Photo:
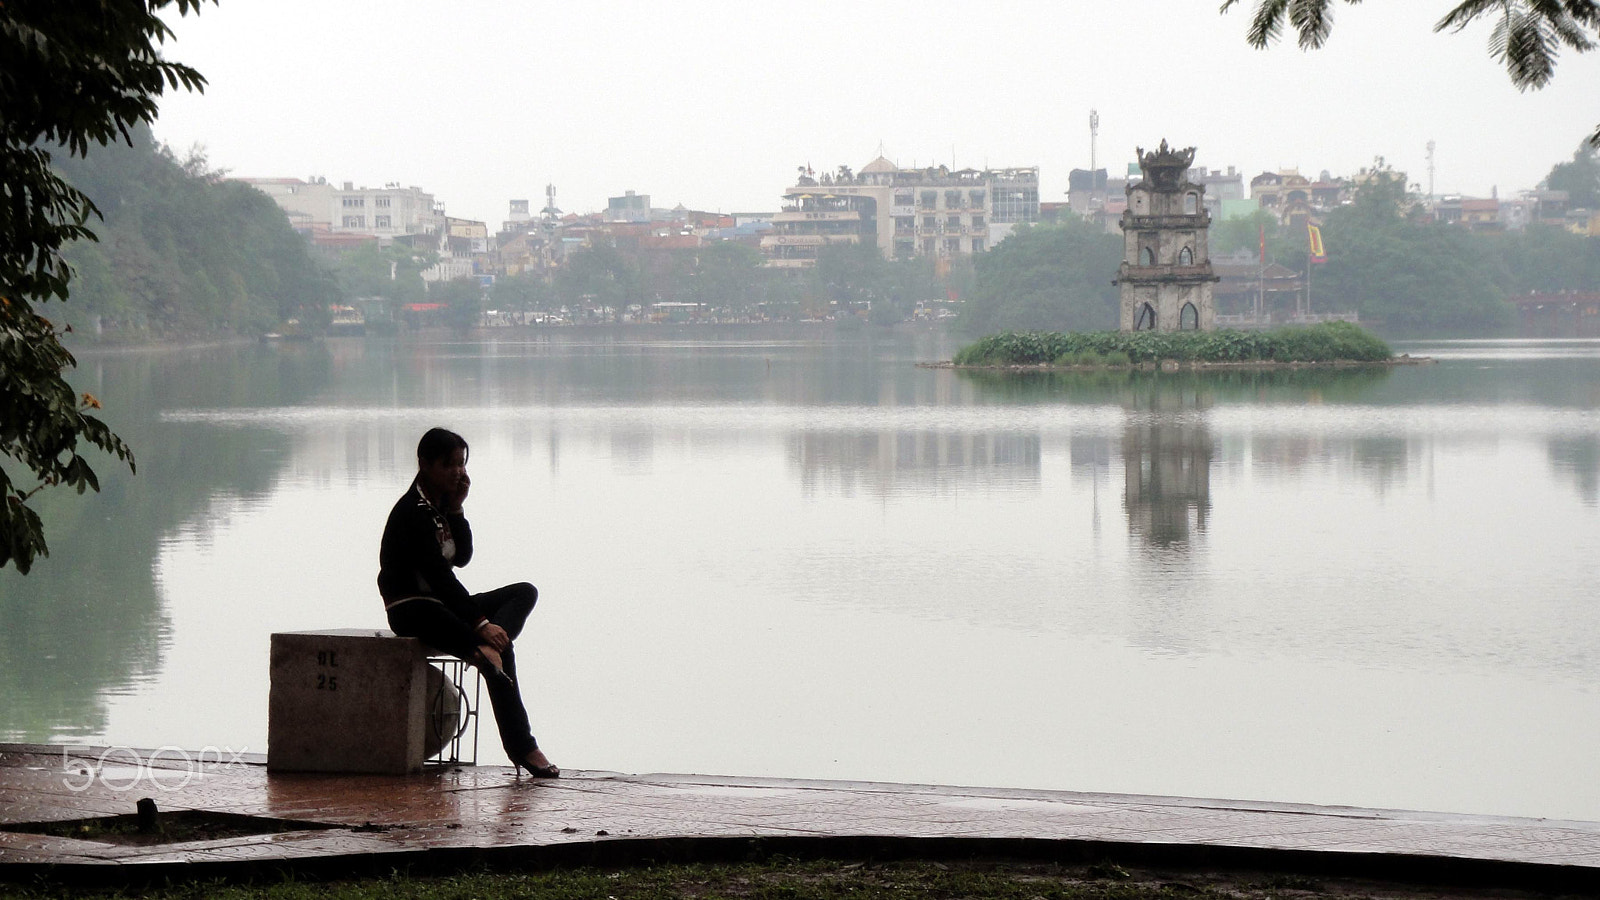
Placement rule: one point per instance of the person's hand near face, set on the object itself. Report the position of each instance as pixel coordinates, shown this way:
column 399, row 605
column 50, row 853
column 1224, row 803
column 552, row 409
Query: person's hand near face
column 446, row 480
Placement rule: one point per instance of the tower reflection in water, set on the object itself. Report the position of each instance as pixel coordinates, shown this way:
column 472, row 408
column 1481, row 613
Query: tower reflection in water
column 1166, row 463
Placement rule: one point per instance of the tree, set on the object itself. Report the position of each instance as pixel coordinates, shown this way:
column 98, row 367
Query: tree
column 597, row 277
column 1055, row 278
column 521, row 293
column 1285, row 245
column 70, row 75
column 848, row 276
column 1545, row 258
column 463, row 302
column 1411, row 275
column 1527, row 34
column 727, row 274
column 182, row 250
column 1580, row 178
column 382, row 280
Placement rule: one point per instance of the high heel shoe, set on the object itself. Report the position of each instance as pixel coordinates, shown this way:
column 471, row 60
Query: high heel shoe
column 548, row 770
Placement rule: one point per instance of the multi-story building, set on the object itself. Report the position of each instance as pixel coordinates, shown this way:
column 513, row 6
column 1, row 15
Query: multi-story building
column 463, row 247
column 1227, row 185
column 1086, row 191
column 519, row 217
column 1220, row 187
column 308, row 204
column 466, row 235
column 1447, row 209
column 344, row 217
column 1549, row 207
column 630, row 207
column 903, row 212
column 1481, row 214
column 1285, row 193
column 389, row 211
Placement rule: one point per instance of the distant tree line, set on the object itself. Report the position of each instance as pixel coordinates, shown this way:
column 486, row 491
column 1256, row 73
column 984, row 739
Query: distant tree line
column 182, row 251
column 1388, row 263
column 1384, row 262
column 727, row 279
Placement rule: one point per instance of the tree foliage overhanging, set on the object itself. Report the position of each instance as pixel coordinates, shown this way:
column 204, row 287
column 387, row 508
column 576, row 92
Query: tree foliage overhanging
column 1526, row 37
column 71, row 75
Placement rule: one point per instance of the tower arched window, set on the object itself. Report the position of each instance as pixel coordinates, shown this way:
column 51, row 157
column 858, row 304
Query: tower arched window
column 1186, row 257
column 1147, row 257
column 1189, row 318
column 1191, row 203
column 1146, row 320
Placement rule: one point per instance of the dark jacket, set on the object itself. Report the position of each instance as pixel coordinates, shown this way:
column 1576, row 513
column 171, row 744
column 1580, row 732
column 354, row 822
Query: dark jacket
column 411, row 561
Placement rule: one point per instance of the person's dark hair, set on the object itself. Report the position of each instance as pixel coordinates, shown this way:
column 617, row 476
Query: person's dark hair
column 438, row 443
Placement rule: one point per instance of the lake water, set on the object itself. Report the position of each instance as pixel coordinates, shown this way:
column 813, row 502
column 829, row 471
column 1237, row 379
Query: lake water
column 779, row 553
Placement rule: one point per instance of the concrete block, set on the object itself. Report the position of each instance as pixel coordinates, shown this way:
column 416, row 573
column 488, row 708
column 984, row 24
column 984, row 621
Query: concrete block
column 347, row 700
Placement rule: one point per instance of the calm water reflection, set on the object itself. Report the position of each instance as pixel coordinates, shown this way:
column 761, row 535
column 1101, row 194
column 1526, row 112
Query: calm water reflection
column 770, row 553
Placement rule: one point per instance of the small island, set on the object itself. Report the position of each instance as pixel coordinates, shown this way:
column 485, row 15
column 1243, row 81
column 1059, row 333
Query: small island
column 1327, row 344
column 1168, row 315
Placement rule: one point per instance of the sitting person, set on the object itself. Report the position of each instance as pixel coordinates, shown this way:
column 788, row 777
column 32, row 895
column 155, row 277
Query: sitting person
column 425, row 539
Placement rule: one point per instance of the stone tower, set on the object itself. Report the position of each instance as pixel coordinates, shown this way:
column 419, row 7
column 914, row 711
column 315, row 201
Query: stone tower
column 1165, row 276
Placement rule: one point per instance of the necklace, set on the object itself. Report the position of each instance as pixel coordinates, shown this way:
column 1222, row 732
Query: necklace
column 442, row 533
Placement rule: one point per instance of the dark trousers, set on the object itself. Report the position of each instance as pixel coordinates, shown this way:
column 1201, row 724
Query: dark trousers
column 438, row 627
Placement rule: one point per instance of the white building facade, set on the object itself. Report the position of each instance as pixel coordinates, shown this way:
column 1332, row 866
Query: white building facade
column 389, row 211
column 903, row 212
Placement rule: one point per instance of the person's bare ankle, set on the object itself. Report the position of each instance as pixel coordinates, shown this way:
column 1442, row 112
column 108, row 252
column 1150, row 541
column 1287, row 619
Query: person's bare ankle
column 489, row 655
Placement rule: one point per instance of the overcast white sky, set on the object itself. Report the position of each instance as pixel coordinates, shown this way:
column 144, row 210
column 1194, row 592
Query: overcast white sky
column 713, row 104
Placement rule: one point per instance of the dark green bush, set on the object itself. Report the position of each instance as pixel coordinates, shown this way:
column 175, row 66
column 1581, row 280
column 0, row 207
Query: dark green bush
column 1327, row 342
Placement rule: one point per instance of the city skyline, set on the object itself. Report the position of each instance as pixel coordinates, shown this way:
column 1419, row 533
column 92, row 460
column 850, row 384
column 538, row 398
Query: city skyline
column 480, row 105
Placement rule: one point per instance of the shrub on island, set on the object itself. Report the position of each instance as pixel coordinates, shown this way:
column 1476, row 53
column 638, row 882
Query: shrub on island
column 1326, row 342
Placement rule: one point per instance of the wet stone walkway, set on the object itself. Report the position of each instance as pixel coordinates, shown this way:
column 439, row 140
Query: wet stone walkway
column 447, row 816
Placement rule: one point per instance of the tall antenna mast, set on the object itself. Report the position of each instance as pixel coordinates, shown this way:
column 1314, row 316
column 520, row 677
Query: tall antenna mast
column 1430, row 171
column 1094, row 134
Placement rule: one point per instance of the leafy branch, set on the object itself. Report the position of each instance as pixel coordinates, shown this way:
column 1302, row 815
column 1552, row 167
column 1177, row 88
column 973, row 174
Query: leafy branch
column 1527, row 36
column 71, row 76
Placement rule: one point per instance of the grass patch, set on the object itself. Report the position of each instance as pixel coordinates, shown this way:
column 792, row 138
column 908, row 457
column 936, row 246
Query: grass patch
column 1326, row 342
column 782, row 879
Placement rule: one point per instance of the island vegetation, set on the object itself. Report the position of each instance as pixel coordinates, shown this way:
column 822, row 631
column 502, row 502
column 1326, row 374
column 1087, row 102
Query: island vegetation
column 1329, row 342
